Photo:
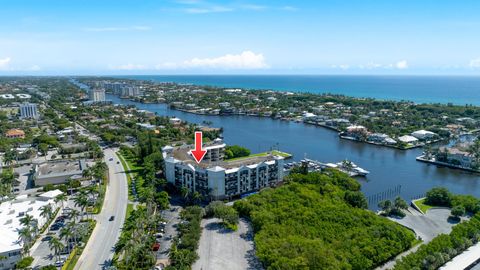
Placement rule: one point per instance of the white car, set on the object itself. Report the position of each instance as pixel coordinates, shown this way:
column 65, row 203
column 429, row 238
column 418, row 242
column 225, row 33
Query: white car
column 59, row 263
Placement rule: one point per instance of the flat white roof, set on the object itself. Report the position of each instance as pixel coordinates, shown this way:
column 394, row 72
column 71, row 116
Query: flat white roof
column 10, row 220
column 51, row 194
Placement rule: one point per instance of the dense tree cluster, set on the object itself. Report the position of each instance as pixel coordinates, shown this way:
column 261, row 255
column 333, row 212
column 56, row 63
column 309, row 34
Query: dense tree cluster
column 183, row 252
column 394, row 208
column 310, row 223
column 227, row 214
column 235, row 151
column 440, row 196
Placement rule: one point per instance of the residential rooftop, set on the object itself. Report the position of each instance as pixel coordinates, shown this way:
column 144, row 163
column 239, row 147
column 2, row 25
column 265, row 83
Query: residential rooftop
column 183, row 154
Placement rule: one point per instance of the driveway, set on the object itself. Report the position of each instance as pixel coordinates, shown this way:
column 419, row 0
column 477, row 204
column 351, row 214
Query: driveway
column 172, row 217
column 99, row 249
column 427, row 226
column 221, row 249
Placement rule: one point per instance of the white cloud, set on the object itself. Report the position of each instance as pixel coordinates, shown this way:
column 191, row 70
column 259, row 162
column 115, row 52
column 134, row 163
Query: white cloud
column 475, row 63
column 254, row 7
column 402, row 64
column 4, row 63
column 128, row 67
column 214, row 9
column 245, row 60
column 116, row 29
column 289, row 8
column 342, row 66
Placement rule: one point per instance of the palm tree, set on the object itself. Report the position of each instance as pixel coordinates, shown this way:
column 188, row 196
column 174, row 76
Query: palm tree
column 66, row 233
column 184, row 191
column 196, row 197
column 25, row 236
column 61, row 198
column 82, row 201
column 74, row 214
column 87, row 173
column 46, row 211
column 69, row 183
column 27, row 221
column 56, row 245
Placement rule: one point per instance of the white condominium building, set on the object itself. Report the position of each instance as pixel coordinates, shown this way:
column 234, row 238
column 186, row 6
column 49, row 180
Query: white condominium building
column 28, row 110
column 97, row 95
column 218, row 178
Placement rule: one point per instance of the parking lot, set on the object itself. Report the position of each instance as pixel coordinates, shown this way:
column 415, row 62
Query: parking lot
column 172, row 218
column 221, row 249
column 41, row 251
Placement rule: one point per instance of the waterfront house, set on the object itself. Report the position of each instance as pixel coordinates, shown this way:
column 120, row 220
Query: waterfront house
column 456, row 156
column 175, row 121
column 408, row 139
column 356, row 132
column 379, row 138
column 423, row 134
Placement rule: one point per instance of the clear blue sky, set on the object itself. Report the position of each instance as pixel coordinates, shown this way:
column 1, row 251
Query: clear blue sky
column 248, row 37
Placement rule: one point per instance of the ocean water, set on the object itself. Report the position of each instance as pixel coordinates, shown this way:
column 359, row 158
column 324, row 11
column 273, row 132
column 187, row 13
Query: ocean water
column 458, row 90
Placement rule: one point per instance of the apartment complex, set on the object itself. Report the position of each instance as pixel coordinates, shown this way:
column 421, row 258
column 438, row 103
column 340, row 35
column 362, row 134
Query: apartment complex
column 97, row 95
column 28, row 110
column 218, row 178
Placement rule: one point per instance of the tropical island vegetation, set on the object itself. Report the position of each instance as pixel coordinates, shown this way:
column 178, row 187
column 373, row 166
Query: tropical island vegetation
column 309, row 223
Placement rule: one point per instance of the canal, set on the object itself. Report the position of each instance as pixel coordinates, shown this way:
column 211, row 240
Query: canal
column 392, row 171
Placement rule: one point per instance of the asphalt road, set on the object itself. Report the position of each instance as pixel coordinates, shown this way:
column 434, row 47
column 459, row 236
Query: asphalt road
column 99, row 250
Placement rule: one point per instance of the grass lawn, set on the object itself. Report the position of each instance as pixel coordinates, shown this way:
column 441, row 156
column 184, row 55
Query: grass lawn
column 263, row 154
column 422, row 206
column 128, row 172
column 129, row 210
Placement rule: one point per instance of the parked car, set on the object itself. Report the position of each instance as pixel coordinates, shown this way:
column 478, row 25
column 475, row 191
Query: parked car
column 110, row 159
column 47, row 238
column 59, row 263
column 156, row 247
column 158, row 235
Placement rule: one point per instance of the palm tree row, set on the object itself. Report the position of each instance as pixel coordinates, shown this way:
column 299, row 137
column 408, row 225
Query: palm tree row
column 135, row 243
column 28, row 232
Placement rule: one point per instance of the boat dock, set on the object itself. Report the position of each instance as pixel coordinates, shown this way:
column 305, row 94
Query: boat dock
column 345, row 166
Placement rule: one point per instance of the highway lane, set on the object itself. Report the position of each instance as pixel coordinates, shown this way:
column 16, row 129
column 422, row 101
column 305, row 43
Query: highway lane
column 99, row 250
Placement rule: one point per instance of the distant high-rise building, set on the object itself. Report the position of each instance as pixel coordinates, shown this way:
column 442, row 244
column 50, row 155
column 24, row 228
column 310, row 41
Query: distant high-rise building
column 97, row 95
column 28, row 110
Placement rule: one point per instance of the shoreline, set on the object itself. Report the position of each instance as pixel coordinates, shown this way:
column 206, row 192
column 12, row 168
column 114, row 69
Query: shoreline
column 420, row 145
column 448, row 165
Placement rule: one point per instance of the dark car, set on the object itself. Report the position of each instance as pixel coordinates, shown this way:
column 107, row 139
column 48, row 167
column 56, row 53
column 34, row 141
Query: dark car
column 47, row 238
column 156, row 247
column 111, row 218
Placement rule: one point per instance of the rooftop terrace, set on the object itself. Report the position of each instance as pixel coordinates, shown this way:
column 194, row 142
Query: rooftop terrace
column 182, row 153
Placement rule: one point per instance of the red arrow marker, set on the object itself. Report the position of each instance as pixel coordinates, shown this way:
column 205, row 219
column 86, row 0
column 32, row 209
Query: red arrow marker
column 198, row 153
